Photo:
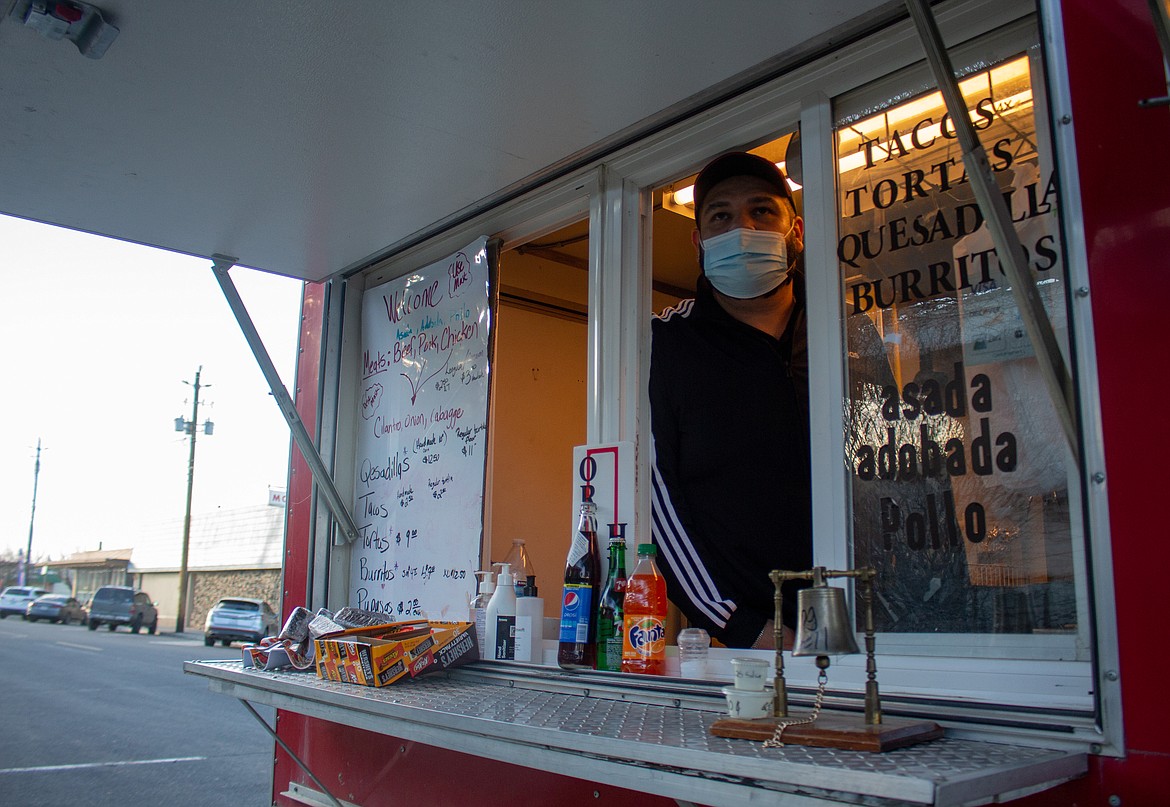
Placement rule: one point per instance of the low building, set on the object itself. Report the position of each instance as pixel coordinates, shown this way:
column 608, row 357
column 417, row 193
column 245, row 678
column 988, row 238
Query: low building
column 232, row 552
column 88, row 571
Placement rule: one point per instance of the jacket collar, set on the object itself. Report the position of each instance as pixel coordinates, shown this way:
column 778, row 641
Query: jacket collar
column 708, row 307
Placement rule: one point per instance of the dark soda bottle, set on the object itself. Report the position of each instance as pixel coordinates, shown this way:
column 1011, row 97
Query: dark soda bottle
column 610, row 628
column 644, row 646
column 578, row 639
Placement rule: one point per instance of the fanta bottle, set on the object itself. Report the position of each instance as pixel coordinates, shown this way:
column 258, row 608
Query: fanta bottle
column 644, row 643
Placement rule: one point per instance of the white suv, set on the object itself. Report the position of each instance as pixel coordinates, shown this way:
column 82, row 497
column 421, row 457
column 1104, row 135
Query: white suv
column 15, row 599
column 239, row 619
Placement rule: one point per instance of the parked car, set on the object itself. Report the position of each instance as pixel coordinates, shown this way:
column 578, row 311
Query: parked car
column 15, row 599
column 121, row 605
column 56, row 608
column 239, row 619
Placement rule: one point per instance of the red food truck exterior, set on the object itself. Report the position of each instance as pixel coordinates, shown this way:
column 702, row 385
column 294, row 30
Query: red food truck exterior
column 1020, row 613
column 1113, row 64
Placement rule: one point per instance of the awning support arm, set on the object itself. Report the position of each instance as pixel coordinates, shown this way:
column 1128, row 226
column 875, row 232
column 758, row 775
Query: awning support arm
column 221, row 264
column 290, row 752
column 999, row 224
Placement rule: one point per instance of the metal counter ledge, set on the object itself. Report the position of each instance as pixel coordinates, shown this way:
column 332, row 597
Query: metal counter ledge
column 646, row 739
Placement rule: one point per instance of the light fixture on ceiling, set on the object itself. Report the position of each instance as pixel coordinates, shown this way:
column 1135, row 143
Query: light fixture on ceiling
column 682, row 200
column 80, row 23
column 884, row 136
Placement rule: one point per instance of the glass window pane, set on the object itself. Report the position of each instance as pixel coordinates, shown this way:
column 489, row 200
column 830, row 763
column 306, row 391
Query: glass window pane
column 959, row 469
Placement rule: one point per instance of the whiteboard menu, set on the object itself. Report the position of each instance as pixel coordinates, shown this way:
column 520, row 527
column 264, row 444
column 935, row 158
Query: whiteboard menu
column 421, row 439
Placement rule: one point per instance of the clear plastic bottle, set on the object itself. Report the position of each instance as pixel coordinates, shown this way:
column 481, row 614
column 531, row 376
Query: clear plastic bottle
column 520, row 563
column 479, row 604
column 644, row 645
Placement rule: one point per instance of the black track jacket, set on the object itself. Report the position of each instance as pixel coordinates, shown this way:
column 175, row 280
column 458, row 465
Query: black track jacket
column 730, row 460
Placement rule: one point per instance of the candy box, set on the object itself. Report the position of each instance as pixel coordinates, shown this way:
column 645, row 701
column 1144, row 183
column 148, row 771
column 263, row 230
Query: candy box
column 382, row 655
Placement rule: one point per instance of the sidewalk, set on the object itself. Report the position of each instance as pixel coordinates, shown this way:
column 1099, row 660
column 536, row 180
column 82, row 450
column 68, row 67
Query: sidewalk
column 186, row 636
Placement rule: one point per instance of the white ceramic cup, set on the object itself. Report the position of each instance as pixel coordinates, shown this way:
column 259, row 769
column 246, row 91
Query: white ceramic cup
column 748, row 703
column 749, row 673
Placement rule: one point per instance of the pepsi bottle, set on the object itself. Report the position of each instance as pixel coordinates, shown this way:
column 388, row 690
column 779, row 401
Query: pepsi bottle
column 578, row 636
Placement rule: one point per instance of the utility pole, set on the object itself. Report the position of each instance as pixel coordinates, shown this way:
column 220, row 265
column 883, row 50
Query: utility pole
column 28, row 552
column 192, row 429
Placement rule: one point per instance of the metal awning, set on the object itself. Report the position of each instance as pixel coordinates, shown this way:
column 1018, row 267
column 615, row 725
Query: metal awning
column 305, row 138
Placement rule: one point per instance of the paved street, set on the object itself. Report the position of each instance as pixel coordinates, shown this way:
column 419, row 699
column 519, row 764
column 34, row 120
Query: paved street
column 101, row 718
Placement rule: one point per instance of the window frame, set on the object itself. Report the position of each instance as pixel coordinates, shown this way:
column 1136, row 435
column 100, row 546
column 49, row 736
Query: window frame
column 808, row 96
column 1018, row 39
column 616, row 195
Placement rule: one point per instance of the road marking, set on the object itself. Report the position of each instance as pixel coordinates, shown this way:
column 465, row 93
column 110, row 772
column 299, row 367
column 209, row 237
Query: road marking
column 80, row 646
column 176, row 641
column 86, row 765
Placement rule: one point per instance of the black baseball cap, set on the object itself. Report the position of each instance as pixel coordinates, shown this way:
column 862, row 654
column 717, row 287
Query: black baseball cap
column 737, row 164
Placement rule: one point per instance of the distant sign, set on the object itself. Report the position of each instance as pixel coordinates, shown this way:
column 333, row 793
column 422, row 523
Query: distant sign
column 277, row 497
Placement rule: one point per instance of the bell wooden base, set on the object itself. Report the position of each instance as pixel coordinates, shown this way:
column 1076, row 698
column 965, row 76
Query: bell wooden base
column 847, row 732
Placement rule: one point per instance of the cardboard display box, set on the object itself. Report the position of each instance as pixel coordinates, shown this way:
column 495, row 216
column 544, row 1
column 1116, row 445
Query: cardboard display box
column 381, row 655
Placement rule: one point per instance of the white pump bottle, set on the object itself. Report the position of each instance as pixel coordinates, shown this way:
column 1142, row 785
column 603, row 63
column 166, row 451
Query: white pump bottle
column 478, row 609
column 501, row 618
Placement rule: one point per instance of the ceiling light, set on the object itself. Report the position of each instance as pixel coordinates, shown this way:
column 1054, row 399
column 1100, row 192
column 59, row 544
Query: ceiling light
column 682, row 200
column 80, row 23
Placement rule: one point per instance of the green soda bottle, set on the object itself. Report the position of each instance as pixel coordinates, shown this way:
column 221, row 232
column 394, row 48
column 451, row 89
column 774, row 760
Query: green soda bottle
column 610, row 613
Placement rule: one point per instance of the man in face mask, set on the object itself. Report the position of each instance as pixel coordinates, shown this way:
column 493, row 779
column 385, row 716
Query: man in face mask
column 729, row 409
column 748, row 236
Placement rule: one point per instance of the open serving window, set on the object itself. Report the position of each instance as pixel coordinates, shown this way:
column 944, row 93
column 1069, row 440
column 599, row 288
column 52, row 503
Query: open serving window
column 937, row 455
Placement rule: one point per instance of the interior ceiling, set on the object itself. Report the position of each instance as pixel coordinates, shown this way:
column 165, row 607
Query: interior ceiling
column 304, row 137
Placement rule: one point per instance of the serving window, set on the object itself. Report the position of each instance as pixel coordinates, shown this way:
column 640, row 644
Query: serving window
column 538, row 410
column 950, row 474
column 937, row 456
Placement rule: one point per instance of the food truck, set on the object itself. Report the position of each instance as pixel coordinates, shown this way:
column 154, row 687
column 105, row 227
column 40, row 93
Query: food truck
column 488, row 204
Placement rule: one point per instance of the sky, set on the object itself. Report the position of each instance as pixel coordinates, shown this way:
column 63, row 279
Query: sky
column 98, row 339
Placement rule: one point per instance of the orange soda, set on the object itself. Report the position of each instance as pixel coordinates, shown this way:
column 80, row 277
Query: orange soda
column 644, row 643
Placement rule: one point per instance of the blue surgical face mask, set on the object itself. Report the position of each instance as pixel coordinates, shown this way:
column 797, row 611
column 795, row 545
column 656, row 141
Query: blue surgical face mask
column 746, row 263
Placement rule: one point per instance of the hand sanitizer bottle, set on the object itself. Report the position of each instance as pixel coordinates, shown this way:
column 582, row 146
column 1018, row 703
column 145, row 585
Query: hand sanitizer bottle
column 479, row 604
column 501, row 618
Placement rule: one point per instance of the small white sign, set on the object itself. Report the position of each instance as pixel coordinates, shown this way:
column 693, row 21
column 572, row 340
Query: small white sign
column 608, row 470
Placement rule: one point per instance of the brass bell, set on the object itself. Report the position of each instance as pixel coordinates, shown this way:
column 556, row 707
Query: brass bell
column 823, row 627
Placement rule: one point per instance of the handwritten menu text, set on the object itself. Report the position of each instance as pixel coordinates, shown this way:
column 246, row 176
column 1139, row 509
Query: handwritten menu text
column 421, row 439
